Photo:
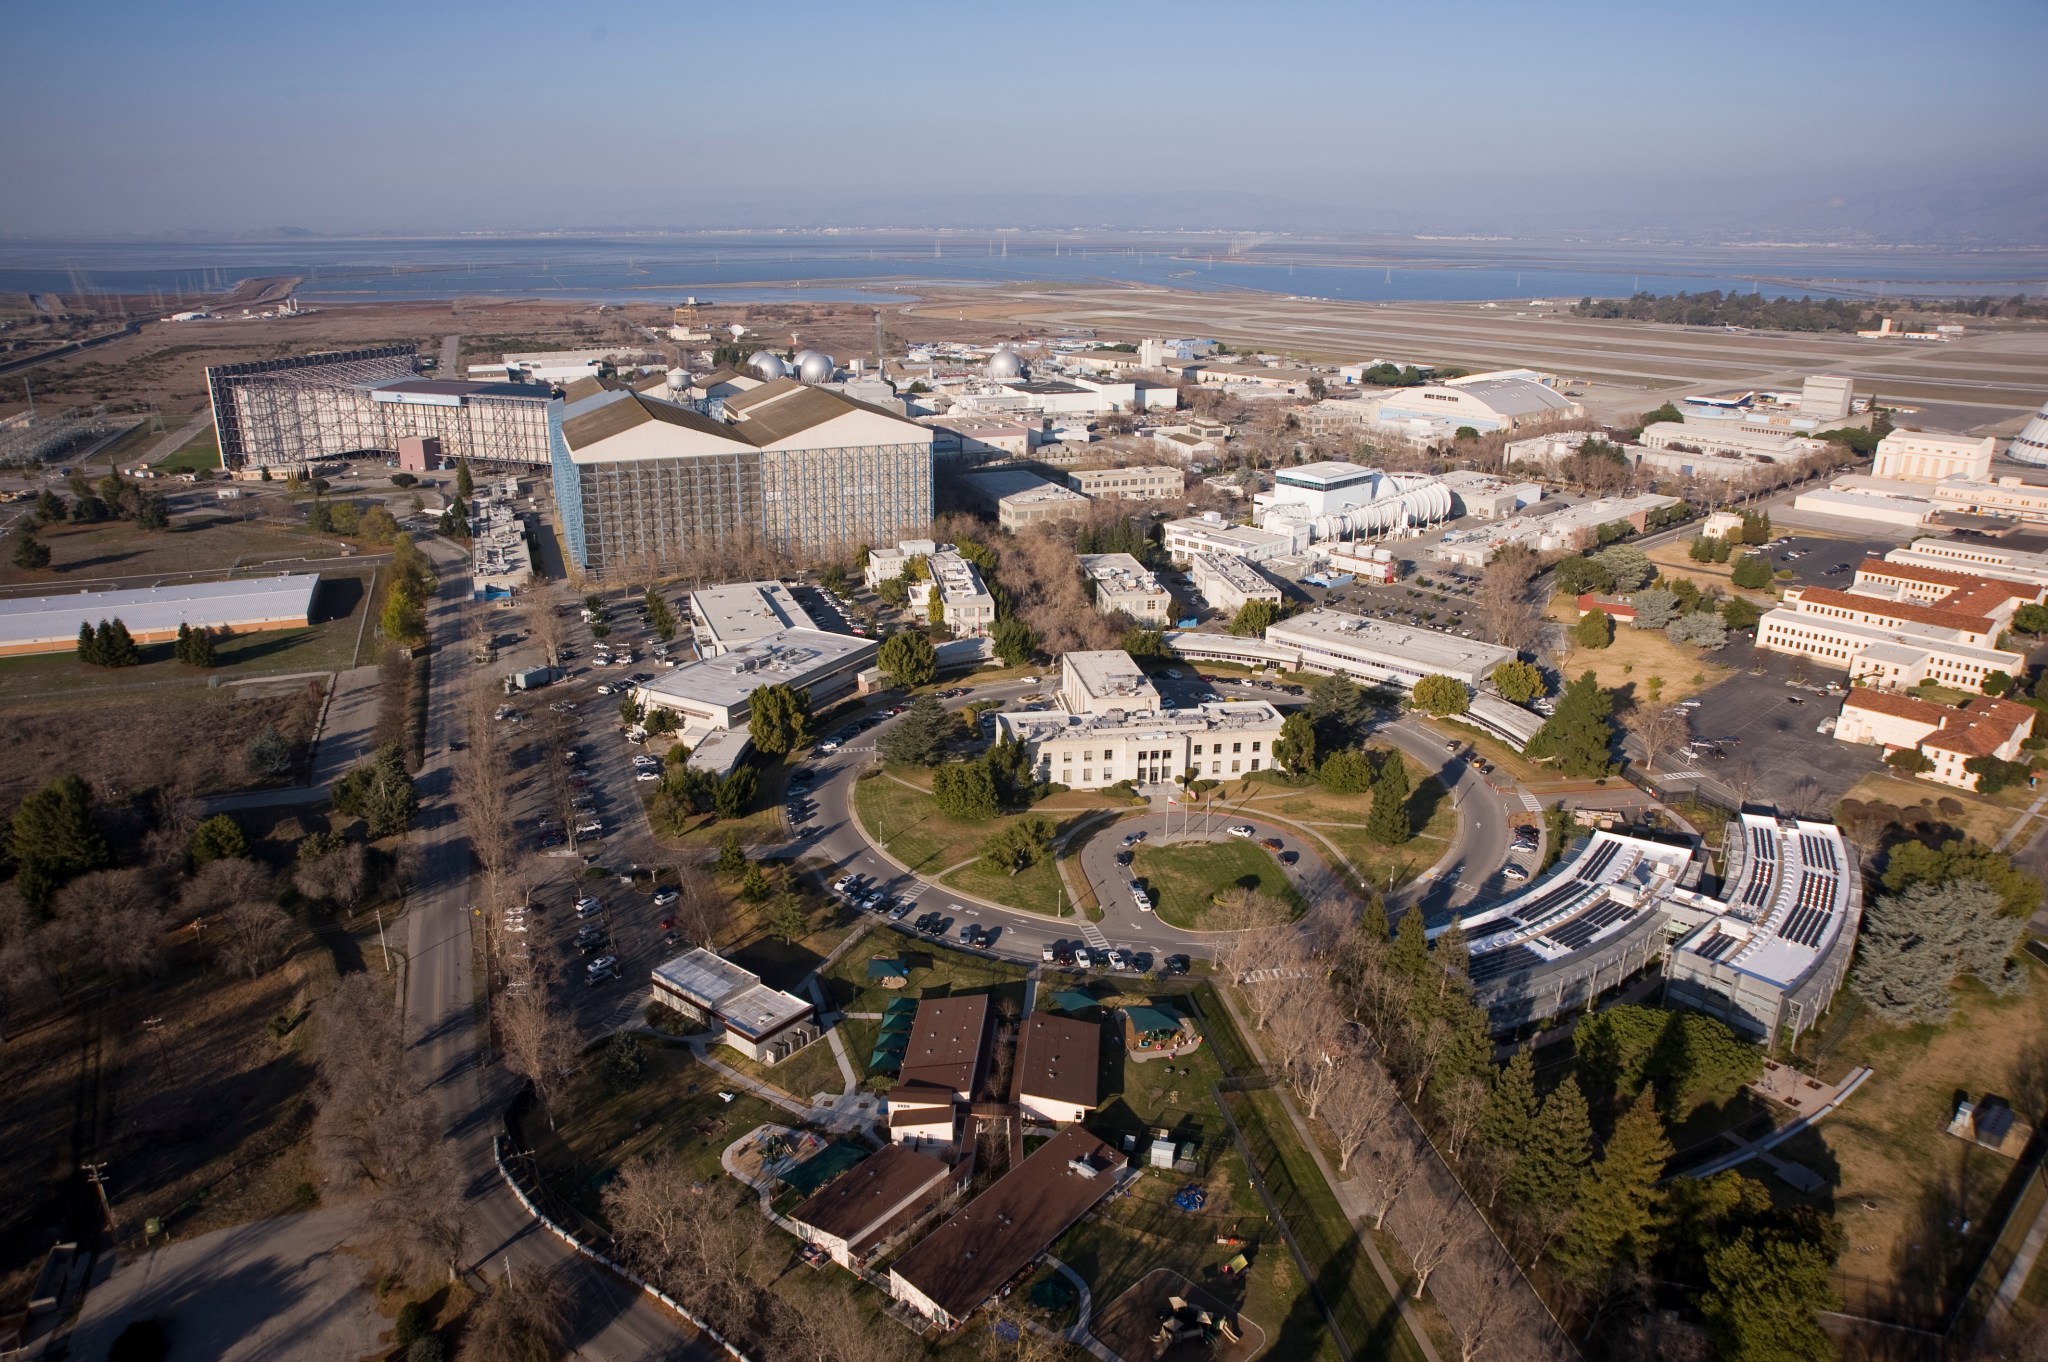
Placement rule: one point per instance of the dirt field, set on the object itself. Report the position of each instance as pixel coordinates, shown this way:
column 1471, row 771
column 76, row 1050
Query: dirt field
column 1635, row 656
column 1919, row 1206
column 119, row 552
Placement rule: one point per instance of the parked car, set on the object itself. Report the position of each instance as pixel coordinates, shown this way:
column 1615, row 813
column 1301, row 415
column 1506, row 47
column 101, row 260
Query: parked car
column 666, row 895
column 603, row 968
column 1514, row 872
column 588, row 906
column 1272, row 843
column 1241, row 830
column 899, row 912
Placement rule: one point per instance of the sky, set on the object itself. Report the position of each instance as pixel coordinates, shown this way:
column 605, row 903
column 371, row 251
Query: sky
column 132, row 118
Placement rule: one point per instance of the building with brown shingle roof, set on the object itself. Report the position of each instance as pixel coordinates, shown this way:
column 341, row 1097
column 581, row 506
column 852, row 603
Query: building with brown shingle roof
column 1950, row 736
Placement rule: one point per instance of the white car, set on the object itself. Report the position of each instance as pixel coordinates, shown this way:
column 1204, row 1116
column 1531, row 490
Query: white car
column 1514, row 872
column 646, row 774
column 1115, row 959
column 587, row 905
column 604, row 688
column 1142, row 899
column 828, row 746
column 1241, row 830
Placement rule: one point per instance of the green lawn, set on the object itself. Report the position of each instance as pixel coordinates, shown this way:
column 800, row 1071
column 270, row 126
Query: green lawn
column 200, row 454
column 903, row 818
column 803, row 1075
column 1340, row 820
column 935, row 972
column 1184, row 879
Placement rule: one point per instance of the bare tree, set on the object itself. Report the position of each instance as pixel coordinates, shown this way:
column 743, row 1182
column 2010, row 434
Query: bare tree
column 1318, row 1047
column 252, row 936
column 1505, row 612
column 544, row 625
column 538, row 1041
column 337, row 878
column 1358, row 1108
column 117, row 921
column 1462, row 1107
column 1489, row 1308
column 526, row 1316
column 1392, row 1166
column 1437, row 1239
column 1421, row 1049
column 1658, row 728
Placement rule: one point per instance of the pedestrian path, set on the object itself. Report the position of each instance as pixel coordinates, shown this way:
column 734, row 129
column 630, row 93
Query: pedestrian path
column 1530, row 802
column 2018, row 824
column 1092, row 934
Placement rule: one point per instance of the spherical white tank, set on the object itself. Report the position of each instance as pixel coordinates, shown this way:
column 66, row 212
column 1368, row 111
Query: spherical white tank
column 813, row 366
column 767, row 365
column 1005, row 366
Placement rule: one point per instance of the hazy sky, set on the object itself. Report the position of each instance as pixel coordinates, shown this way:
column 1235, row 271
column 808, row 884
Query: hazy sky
column 134, row 117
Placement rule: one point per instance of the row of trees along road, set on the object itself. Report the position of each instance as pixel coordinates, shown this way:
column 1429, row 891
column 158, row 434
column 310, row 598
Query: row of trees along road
column 1367, row 1028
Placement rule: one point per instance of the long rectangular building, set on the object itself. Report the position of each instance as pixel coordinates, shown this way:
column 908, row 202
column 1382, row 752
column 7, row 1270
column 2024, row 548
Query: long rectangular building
column 293, row 412
column 1378, row 650
column 50, row 624
column 1901, row 624
column 644, row 483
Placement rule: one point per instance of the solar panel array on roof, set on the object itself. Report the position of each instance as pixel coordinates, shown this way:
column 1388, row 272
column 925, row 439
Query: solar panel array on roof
column 1582, row 929
column 1814, row 910
column 1599, row 861
column 1763, row 859
column 1506, row 960
column 1717, row 945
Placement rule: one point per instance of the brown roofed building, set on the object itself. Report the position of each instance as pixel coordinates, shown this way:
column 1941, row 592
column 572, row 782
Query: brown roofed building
column 941, row 1066
column 858, row 1211
column 1058, row 1068
column 1949, row 736
column 948, row 1274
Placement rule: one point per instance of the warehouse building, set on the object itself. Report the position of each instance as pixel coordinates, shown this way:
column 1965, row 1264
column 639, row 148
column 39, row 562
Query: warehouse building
column 1018, row 498
column 1374, row 651
column 1125, row 586
column 292, row 413
column 50, row 624
column 646, row 484
column 1485, row 402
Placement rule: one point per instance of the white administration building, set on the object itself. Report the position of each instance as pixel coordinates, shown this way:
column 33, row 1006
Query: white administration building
column 762, row 1023
column 712, row 698
column 725, row 617
column 1114, row 726
column 50, row 624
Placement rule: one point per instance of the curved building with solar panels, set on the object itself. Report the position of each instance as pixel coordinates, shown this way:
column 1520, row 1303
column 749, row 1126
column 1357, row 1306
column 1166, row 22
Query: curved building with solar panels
column 1765, row 954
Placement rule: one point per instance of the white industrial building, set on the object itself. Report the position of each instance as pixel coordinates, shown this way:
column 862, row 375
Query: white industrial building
column 1948, row 736
column 764, row 1024
column 1901, row 624
column 1229, row 584
column 1377, row 650
column 1570, row 529
column 1209, row 533
column 50, row 624
column 712, row 697
column 1976, row 558
column 1125, row 586
column 1485, row 402
column 726, row 617
column 1929, row 456
column 1728, row 439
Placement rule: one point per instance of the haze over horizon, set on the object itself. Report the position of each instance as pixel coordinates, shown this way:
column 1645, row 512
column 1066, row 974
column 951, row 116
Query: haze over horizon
column 1866, row 122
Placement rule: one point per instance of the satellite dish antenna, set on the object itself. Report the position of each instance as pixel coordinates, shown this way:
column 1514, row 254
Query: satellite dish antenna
column 737, row 330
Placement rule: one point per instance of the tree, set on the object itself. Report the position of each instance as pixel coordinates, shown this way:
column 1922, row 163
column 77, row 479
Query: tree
column 736, row 791
column 1628, row 565
column 732, row 857
column 1442, row 695
column 779, row 718
column 965, row 790
column 1761, row 1299
column 523, row 1319
column 153, row 513
column 1658, row 728
column 1346, row 771
column 1390, row 823
column 378, row 790
column 538, row 1041
column 1512, row 1106
column 1014, row 641
column 2031, row 619
column 1756, row 527
column 1021, row 845
column 1518, row 682
column 1358, row 1107
column 52, row 839
column 1702, row 630
column 1752, row 572
column 754, row 885
column 1738, row 613
column 788, row 920
column 1576, row 576
column 1910, row 863
column 1595, row 629
column 109, row 645
column 1553, row 1165
column 1295, row 750
column 465, row 485
column 268, row 755
column 1910, row 761
column 195, row 647
column 1997, row 683
column 1655, row 607
column 919, row 738
column 1618, row 1202
column 909, row 659
column 1995, row 774
column 1139, row 641
column 1918, row 941
column 49, row 509
column 1252, row 619
column 218, row 837
column 1340, row 709
column 1577, row 736
column 1661, row 415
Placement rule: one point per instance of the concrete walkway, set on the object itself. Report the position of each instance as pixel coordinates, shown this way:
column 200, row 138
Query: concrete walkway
column 348, row 726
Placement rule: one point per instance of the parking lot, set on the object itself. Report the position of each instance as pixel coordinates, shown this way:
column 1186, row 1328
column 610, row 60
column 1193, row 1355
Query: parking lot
column 1767, row 732
column 1813, row 561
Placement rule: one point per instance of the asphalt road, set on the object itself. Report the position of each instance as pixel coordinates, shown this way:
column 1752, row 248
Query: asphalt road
column 613, row 1322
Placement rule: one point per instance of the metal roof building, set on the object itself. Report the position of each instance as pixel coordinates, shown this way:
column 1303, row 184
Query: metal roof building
column 50, row 624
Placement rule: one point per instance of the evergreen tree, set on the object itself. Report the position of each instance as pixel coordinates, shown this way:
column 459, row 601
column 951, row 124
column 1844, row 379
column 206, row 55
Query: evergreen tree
column 88, row 645
column 1518, row 682
column 1253, row 618
column 920, row 737
column 779, row 718
column 909, row 659
column 465, row 485
column 735, row 792
column 218, row 838
column 732, row 857
column 113, row 645
column 1619, row 1202
column 1295, row 750
column 1409, row 956
column 1752, row 572
column 1346, row 771
column 1014, row 641
column 753, row 884
column 52, row 838
column 1595, row 629
column 1577, row 736
column 1511, row 1109
column 1390, row 823
column 1761, row 1298
column 1560, row 1143
column 1442, row 695
column 965, row 790
column 30, row 553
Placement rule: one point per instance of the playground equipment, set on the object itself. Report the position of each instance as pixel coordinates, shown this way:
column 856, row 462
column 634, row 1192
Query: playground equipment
column 1191, row 1198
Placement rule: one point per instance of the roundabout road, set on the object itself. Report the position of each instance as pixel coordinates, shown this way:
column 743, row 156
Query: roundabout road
column 1469, row 869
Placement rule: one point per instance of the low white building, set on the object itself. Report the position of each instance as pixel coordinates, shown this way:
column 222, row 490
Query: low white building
column 1228, row 584
column 1212, row 534
column 965, row 605
column 726, row 617
column 1136, row 482
column 1374, row 650
column 887, row 564
column 712, row 698
column 764, row 1024
column 857, row 1214
column 1728, row 438
column 1105, row 682
column 1123, row 585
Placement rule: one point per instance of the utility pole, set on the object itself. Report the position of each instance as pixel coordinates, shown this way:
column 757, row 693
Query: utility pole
column 96, row 1174
column 381, row 944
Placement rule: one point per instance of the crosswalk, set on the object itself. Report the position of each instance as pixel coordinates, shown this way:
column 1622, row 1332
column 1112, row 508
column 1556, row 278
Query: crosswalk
column 1092, row 934
column 1531, row 803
